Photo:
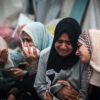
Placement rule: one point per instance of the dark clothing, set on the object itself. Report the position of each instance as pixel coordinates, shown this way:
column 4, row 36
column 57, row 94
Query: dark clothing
column 94, row 92
column 6, row 83
column 24, row 89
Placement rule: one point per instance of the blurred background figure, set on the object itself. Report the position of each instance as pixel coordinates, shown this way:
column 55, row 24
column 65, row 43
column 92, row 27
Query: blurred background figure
column 6, row 80
column 44, row 10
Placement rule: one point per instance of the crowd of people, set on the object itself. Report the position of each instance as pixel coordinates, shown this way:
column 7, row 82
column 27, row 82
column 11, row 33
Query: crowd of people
column 63, row 67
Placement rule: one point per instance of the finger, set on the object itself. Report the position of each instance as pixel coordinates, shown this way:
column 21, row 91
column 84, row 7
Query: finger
column 26, row 51
column 70, row 94
column 64, row 82
column 74, row 91
column 31, row 51
column 65, row 98
column 44, row 96
column 17, row 72
column 66, row 93
column 35, row 52
column 4, row 52
column 22, row 44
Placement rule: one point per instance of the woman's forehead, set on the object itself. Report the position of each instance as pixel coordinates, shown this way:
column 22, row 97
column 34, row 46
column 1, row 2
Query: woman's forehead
column 25, row 34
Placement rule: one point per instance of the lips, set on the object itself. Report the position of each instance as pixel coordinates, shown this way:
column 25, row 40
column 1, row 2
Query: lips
column 64, row 52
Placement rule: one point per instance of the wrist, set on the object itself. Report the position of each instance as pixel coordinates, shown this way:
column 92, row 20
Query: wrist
column 47, row 95
column 31, row 61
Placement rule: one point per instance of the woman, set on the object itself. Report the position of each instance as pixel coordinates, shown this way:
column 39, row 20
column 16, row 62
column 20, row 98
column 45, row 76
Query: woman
column 37, row 33
column 88, row 51
column 6, row 80
column 34, row 38
column 61, row 56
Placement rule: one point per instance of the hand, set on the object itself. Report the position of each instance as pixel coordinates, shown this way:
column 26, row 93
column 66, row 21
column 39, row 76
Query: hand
column 30, row 54
column 11, row 97
column 47, row 96
column 3, row 57
column 64, row 82
column 17, row 72
column 67, row 92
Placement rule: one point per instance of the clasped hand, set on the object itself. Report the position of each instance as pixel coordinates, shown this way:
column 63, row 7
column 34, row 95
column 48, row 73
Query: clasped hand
column 67, row 92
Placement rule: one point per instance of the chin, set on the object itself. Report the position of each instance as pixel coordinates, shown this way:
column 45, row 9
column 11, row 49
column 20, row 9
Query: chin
column 63, row 54
column 84, row 60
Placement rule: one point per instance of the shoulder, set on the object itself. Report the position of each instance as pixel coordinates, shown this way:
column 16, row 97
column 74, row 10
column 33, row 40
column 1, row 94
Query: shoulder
column 81, row 65
column 45, row 52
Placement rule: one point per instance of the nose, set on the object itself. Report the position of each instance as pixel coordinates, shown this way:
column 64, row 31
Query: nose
column 63, row 46
column 77, row 52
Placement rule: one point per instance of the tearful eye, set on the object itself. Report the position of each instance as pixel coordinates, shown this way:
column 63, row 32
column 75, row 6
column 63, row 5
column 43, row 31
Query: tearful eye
column 60, row 41
column 66, row 42
column 26, row 39
column 79, row 45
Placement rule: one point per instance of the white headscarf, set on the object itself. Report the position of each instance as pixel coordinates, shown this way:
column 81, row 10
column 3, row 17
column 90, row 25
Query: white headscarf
column 40, row 37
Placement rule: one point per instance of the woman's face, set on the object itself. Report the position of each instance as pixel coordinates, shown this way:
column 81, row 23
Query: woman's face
column 83, row 53
column 27, row 41
column 63, row 45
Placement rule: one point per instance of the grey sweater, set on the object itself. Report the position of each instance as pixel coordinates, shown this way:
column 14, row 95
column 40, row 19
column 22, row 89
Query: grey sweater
column 77, row 76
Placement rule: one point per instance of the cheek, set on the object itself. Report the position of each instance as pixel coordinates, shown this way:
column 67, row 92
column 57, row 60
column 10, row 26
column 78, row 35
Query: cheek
column 70, row 48
column 81, row 50
column 56, row 45
column 31, row 44
column 85, row 56
column 25, row 44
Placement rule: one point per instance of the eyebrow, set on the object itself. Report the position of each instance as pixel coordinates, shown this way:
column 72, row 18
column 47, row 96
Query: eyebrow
column 78, row 43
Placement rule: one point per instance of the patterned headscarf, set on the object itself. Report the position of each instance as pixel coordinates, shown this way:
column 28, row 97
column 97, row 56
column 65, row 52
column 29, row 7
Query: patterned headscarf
column 92, row 40
column 85, row 39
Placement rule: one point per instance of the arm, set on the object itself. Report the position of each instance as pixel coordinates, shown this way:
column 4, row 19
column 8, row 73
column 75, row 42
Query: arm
column 81, row 85
column 84, row 82
column 66, row 91
column 59, row 76
column 40, row 82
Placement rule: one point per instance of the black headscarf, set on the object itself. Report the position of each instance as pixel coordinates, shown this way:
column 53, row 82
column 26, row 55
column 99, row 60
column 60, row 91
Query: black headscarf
column 71, row 27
